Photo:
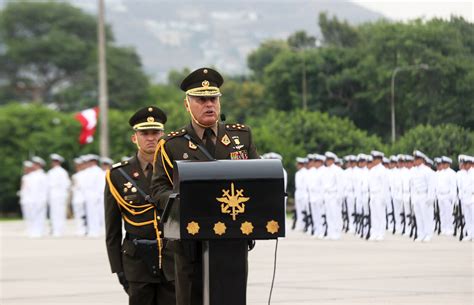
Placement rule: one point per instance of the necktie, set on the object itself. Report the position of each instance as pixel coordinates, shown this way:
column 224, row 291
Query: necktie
column 210, row 146
column 148, row 171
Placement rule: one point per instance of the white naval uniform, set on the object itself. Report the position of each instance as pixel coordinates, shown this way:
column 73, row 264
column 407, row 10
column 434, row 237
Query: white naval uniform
column 37, row 195
column 78, row 202
column 333, row 193
column 93, row 190
column 26, row 200
column 361, row 190
column 470, row 203
column 396, row 190
column 316, row 199
column 465, row 198
column 301, row 197
column 349, row 193
column 58, row 194
column 445, row 189
column 379, row 196
column 407, row 205
column 422, row 195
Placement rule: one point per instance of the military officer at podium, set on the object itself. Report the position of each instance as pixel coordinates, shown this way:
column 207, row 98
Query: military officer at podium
column 204, row 138
column 143, row 263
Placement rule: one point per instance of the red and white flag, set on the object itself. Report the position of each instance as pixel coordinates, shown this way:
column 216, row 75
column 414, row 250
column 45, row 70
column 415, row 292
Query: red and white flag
column 88, row 120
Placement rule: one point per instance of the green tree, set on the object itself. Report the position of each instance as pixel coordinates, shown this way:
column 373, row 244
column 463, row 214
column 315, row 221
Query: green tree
column 260, row 58
column 337, row 33
column 51, row 48
column 301, row 40
column 298, row 133
column 442, row 140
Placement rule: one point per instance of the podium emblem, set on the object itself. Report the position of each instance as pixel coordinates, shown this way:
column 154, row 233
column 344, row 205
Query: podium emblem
column 193, row 228
column 246, row 228
column 232, row 201
column 219, row 228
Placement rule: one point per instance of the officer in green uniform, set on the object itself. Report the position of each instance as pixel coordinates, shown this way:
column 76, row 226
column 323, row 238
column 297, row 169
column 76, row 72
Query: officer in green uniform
column 202, row 139
column 143, row 261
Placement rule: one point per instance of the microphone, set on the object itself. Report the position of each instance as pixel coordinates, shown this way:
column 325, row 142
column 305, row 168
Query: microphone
column 222, row 117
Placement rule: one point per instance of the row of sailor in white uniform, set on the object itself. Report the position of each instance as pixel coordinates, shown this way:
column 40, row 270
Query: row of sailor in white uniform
column 374, row 193
column 50, row 192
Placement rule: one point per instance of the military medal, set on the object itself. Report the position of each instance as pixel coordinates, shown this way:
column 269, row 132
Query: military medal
column 225, row 140
column 134, row 189
column 128, row 184
column 239, row 155
column 135, row 175
column 192, row 146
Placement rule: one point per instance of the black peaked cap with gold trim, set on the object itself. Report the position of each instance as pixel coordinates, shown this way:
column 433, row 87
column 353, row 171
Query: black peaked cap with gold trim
column 146, row 118
column 203, row 82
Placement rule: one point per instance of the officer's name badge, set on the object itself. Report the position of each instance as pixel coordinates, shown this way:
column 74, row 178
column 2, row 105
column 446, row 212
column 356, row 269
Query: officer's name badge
column 239, row 155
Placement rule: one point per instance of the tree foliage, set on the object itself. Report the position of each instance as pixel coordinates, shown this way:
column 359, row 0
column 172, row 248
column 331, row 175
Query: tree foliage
column 50, row 51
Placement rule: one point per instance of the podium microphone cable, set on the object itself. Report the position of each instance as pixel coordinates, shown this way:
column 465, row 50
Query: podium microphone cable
column 274, row 271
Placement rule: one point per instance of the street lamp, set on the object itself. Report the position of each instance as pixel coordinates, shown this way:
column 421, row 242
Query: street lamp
column 392, row 100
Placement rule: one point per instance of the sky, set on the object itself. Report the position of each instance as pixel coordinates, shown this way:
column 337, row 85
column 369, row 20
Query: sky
column 410, row 9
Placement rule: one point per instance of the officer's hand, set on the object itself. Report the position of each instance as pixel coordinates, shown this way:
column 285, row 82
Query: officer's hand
column 123, row 281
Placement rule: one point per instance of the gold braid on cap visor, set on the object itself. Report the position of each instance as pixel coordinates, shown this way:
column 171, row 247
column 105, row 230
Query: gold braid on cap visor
column 148, row 125
column 204, row 91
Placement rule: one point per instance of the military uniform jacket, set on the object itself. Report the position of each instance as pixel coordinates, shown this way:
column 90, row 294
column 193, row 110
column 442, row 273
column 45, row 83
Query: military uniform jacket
column 123, row 256
column 233, row 141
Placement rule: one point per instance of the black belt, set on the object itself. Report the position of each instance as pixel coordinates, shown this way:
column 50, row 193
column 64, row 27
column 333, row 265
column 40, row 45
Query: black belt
column 129, row 236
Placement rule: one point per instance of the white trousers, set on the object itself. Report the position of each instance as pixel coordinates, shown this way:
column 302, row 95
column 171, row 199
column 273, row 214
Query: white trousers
column 57, row 214
column 350, row 210
column 38, row 219
column 424, row 216
column 377, row 217
column 301, row 205
column 333, row 216
column 446, row 215
column 318, row 210
column 467, row 210
column 94, row 217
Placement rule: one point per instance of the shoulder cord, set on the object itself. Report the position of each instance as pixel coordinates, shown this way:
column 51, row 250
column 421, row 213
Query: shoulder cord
column 131, row 209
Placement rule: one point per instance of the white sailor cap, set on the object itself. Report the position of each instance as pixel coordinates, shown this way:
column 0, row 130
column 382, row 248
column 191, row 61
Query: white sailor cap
column 319, row 157
column 125, row 158
column 105, row 160
column 385, row 160
column 401, row 157
column 27, row 163
column 369, row 158
column 429, row 161
column 38, row 160
column 361, row 157
column 445, row 159
column 461, row 158
column 409, row 158
column 78, row 160
column 56, row 157
column 352, row 158
column 394, row 159
column 469, row 159
column 274, row 155
column 310, row 157
column 377, row 154
column 338, row 161
column 437, row 160
column 330, row 155
column 300, row 160
column 419, row 154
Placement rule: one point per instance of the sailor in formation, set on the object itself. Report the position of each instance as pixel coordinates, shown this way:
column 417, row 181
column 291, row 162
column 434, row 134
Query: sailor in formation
column 410, row 195
column 42, row 194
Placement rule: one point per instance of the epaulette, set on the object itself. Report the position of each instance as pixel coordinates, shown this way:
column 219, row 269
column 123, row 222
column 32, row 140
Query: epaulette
column 119, row 164
column 236, row 127
column 173, row 134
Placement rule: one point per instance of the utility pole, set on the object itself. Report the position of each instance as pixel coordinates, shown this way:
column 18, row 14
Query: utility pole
column 103, row 94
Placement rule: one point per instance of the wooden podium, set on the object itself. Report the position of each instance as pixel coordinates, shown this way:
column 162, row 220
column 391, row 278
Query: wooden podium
column 224, row 204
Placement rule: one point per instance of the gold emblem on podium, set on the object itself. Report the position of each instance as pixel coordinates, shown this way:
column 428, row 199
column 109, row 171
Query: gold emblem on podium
column 272, row 227
column 246, row 228
column 219, row 228
column 193, row 228
column 232, row 201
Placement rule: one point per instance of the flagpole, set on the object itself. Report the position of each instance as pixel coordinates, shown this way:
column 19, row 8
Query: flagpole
column 103, row 95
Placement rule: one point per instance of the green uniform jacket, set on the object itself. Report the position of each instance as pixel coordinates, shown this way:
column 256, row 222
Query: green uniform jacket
column 123, row 256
